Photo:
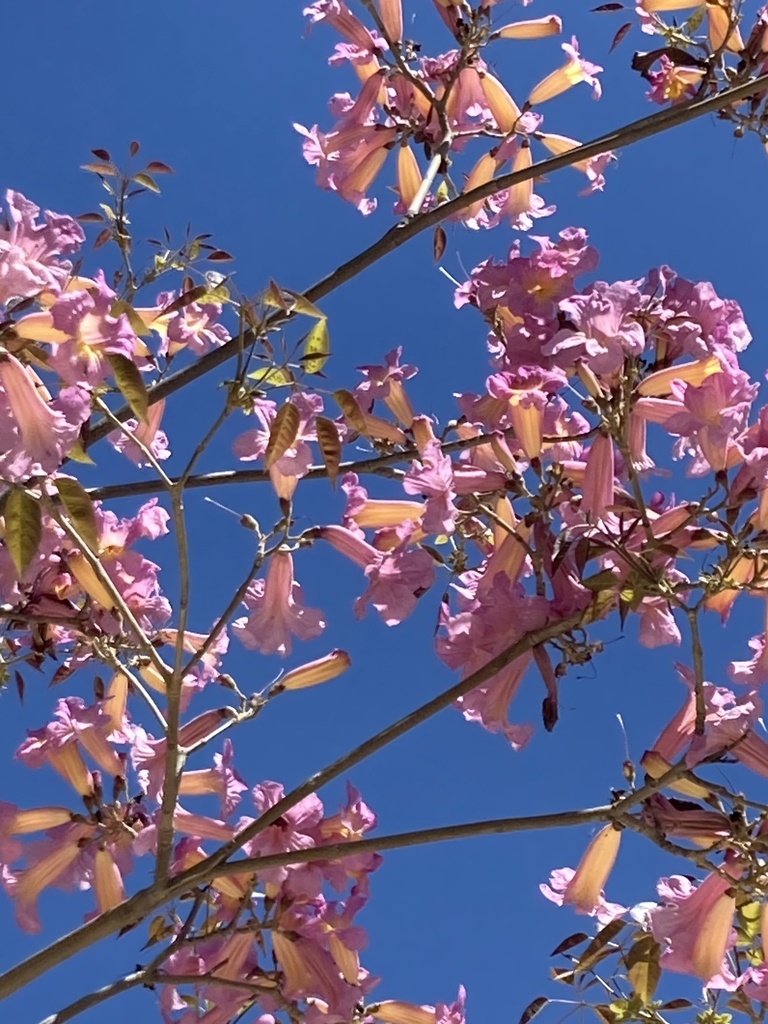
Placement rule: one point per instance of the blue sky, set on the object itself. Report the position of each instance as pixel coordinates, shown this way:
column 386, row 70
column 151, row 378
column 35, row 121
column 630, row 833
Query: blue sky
column 213, row 89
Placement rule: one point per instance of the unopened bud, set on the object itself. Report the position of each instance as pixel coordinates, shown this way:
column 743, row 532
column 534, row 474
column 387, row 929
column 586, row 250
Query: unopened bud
column 319, row 671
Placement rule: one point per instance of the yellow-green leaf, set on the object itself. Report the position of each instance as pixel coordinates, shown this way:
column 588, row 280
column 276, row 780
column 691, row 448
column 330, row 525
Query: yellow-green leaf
column 130, row 383
column 274, row 298
column 301, row 304
column 23, row 528
column 78, row 454
column 274, row 376
column 142, row 178
column 285, row 429
column 138, row 326
column 353, row 414
column 330, row 446
column 596, row 949
column 643, row 967
column 79, row 509
column 317, row 348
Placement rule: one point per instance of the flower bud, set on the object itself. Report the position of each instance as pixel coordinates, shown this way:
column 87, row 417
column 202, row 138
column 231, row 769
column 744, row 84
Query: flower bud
column 534, row 28
column 319, row 671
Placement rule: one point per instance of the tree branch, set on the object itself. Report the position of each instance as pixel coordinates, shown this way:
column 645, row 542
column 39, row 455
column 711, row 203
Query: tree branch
column 136, row 907
column 100, row 995
column 401, row 233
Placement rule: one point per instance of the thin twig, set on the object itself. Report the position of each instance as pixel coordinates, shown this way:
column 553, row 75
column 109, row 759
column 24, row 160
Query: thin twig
column 100, row 995
column 697, row 654
column 375, row 464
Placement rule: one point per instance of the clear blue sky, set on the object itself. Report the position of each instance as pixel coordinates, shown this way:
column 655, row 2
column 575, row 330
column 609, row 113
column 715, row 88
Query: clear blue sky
column 213, row 89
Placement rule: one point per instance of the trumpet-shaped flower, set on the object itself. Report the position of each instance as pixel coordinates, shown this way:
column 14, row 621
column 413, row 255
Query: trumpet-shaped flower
column 575, row 70
column 276, row 610
column 396, row 578
column 432, row 477
column 29, row 251
column 695, row 924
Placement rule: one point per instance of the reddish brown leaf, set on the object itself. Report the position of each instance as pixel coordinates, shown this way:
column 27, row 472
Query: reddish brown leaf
column 438, row 243
column 353, row 414
column 607, row 7
column 330, row 446
column 90, row 218
column 285, row 429
column 532, row 1009
column 100, row 168
column 134, row 148
column 619, row 36
column 102, row 238
column 219, row 254
column 158, row 167
column 102, row 154
column 568, row 943
column 19, row 685
column 186, row 299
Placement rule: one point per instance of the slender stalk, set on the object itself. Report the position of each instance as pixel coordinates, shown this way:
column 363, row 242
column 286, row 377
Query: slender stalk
column 697, row 654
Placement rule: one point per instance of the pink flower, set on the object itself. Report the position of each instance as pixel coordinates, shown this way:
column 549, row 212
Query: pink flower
column 295, row 462
column 149, row 434
column 385, row 384
column 575, row 70
column 276, row 610
column 714, row 413
column 35, row 435
column 433, row 479
column 194, row 327
column 396, row 578
column 559, row 881
column 223, row 780
column 339, row 16
column 29, row 251
column 695, row 925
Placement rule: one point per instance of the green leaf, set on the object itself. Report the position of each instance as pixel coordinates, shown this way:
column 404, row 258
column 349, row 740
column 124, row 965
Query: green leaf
column 131, row 384
column 80, row 510
column 317, row 348
column 23, row 528
column 643, row 967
